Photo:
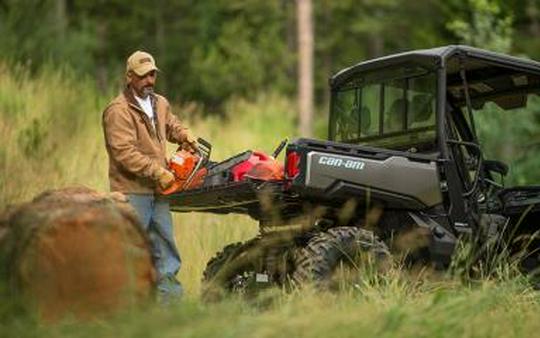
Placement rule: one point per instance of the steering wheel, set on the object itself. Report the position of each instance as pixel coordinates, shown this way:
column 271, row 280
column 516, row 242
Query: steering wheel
column 494, row 166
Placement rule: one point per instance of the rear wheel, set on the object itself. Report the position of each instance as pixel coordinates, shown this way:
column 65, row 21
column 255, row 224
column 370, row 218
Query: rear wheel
column 319, row 259
column 245, row 268
column 231, row 270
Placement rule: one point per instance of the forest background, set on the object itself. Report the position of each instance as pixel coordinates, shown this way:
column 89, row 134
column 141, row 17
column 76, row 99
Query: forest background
column 210, row 51
column 230, row 69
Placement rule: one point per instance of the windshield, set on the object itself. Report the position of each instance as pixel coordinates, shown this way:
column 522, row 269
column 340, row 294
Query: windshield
column 392, row 108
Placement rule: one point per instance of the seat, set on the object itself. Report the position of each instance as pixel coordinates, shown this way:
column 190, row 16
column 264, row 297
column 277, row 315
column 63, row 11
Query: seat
column 395, row 115
column 365, row 121
column 421, row 111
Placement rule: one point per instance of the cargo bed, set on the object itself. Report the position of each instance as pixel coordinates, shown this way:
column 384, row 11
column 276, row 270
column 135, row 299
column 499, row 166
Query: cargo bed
column 242, row 197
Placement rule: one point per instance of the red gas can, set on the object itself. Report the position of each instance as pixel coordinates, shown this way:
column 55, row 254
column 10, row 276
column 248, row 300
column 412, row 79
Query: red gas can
column 258, row 166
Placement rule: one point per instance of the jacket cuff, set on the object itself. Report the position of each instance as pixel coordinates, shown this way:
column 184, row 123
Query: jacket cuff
column 156, row 173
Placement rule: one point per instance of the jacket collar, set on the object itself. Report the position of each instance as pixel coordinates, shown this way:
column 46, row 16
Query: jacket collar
column 132, row 102
column 130, row 98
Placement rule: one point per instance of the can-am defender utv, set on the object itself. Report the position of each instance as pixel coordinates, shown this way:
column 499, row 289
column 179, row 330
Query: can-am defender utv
column 402, row 157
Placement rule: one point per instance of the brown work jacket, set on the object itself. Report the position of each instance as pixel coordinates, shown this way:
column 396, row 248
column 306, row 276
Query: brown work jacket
column 137, row 148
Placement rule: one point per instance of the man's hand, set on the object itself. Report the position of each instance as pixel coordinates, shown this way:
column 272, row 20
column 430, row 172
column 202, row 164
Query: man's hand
column 165, row 179
column 189, row 147
column 190, row 141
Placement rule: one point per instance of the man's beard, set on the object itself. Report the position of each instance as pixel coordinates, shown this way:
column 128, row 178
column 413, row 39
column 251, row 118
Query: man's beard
column 147, row 91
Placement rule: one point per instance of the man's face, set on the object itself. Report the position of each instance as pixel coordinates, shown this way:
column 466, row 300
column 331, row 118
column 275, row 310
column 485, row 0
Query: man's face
column 143, row 85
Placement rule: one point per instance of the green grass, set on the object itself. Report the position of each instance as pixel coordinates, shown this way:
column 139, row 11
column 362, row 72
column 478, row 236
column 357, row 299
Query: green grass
column 393, row 310
column 50, row 136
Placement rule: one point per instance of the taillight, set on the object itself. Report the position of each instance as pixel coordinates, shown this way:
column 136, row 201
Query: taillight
column 293, row 164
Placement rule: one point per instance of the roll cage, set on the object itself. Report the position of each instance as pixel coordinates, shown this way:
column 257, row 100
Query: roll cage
column 464, row 79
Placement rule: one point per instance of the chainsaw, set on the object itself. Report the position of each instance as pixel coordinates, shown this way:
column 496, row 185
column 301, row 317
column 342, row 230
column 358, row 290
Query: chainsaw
column 189, row 168
column 194, row 169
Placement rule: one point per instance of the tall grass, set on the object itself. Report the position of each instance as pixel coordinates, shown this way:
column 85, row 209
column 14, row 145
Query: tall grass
column 49, row 132
column 50, row 136
column 391, row 309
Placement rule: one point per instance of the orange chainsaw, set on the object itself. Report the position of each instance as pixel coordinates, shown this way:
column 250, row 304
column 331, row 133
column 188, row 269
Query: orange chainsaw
column 189, row 168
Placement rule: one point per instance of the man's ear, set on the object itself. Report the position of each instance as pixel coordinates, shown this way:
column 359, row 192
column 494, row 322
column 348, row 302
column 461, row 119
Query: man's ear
column 129, row 76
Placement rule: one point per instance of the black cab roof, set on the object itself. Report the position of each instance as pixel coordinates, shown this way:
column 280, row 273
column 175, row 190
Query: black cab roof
column 440, row 57
column 503, row 79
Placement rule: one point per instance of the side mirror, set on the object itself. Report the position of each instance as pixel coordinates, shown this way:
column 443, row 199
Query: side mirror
column 496, row 166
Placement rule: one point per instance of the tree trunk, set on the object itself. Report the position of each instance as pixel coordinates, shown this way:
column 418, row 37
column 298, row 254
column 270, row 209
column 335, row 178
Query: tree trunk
column 60, row 16
column 305, row 65
column 101, row 51
column 533, row 14
column 160, row 38
column 376, row 44
column 76, row 252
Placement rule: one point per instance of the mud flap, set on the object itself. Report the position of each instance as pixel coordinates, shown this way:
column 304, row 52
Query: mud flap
column 441, row 243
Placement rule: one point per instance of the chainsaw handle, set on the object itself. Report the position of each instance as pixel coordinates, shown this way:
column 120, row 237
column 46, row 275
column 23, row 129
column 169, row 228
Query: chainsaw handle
column 203, row 151
column 204, row 143
column 194, row 171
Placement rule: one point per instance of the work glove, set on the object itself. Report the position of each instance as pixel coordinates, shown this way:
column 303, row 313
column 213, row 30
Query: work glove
column 165, row 179
column 190, row 141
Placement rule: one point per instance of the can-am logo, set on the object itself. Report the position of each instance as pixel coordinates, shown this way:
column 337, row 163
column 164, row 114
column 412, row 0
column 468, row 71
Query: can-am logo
column 339, row 162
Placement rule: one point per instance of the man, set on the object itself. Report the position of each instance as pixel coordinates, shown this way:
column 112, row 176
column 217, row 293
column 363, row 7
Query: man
column 137, row 125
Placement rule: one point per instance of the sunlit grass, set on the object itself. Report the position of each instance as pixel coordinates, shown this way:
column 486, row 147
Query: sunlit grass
column 412, row 310
column 200, row 236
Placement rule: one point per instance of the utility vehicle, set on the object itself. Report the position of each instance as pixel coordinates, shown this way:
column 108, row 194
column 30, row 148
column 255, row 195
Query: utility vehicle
column 402, row 171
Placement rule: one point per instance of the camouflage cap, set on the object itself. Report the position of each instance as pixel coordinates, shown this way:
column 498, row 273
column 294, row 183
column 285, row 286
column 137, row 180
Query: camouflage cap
column 140, row 63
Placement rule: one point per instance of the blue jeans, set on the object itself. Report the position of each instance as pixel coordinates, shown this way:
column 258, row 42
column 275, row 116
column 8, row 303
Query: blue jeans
column 156, row 219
